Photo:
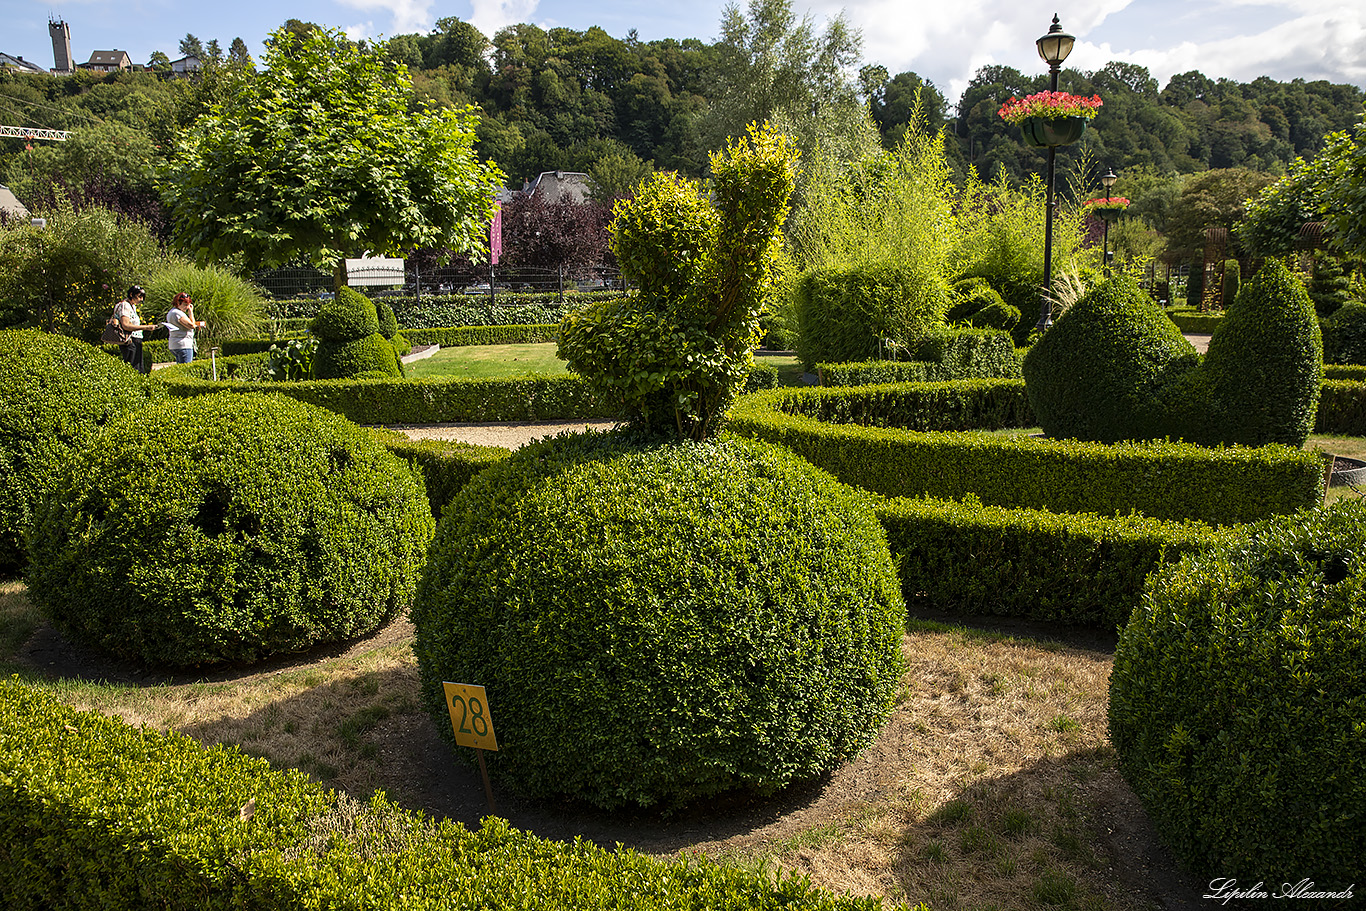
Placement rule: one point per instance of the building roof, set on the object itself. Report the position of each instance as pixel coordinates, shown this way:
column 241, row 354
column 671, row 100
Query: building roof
column 8, row 61
column 110, row 58
column 10, row 205
column 557, row 185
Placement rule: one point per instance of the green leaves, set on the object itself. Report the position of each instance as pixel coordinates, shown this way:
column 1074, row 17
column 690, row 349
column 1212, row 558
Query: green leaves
column 320, row 157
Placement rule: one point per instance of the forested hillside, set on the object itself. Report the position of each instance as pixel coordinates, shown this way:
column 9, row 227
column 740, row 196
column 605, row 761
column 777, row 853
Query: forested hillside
column 620, row 107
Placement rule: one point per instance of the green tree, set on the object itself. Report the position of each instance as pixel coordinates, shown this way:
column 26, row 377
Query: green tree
column 1342, row 189
column 238, row 53
column 190, row 46
column 160, row 64
column 319, row 157
column 771, row 67
column 1214, row 199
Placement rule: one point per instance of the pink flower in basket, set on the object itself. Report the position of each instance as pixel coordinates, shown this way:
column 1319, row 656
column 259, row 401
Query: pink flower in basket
column 1049, row 105
column 1108, row 203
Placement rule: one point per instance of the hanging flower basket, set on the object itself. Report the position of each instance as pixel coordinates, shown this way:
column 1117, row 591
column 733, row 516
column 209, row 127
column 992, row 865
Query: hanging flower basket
column 1106, row 208
column 1050, row 118
column 1052, row 131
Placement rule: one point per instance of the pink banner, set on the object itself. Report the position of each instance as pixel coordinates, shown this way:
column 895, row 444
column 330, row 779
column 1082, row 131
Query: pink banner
column 496, row 234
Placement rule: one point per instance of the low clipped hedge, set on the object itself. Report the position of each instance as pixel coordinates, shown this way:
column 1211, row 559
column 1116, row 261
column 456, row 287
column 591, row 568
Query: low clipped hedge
column 95, row 814
column 55, row 395
column 1168, row 481
column 964, row 557
column 228, row 528
column 1196, row 323
column 445, row 465
column 656, row 624
column 1342, row 407
column 458, row 336
column 1237, row 702
column 426, row 401
column 958, row 354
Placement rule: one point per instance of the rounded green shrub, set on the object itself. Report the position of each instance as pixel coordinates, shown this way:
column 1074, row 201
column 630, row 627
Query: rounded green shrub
column 1237, row 702
column 344, row 360
column 659, row 623
column 1096, row 374
column 996, row 316
column 844, row 314
column 972, row 296
column 347, row 317
column 228, row 528
column 55, row 395
column 388, row 323
column 1259, row 381
column 1344, row 335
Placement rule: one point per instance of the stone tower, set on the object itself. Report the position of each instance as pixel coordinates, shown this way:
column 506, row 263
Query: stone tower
column 61, row 45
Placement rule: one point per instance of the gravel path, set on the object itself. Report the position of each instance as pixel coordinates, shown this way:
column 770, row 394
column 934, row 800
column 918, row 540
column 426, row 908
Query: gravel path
column 503, row 433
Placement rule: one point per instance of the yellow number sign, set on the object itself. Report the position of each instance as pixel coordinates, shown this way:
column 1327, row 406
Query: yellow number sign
column 470, row 718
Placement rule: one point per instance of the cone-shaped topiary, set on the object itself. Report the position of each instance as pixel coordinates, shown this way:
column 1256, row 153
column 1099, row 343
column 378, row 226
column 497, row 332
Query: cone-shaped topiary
column 348, row 316
column 349, row 339
column 1096, row 374
column 55, row 394
column 388, row 322
column 660, row 623
column 228, row 528
column 1237, row 701
column 1259, row 381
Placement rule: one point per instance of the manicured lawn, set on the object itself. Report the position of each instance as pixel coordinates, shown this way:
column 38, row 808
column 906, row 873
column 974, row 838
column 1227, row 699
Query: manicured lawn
column 484, row 362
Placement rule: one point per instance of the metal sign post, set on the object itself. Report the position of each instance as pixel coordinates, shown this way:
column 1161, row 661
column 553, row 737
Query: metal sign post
column 473, row 725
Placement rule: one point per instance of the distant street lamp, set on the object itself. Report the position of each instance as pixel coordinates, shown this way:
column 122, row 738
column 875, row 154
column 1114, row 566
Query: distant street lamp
column 1053, row 48
column 1107, row 180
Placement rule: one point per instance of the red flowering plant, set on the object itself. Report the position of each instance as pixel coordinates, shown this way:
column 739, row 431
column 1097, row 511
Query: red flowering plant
column 1107, row 204
column 1049, row 105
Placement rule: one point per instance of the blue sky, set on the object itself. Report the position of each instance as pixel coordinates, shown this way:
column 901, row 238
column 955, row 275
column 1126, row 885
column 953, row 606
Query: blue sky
column 945, row 42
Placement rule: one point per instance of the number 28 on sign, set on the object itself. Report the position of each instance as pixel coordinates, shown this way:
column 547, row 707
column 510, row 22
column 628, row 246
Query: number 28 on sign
column 470, row 717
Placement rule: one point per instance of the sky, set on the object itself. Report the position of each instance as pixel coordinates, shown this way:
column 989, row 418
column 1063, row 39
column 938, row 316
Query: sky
column 944, row 42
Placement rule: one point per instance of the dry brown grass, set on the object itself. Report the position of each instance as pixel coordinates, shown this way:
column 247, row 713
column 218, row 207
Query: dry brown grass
column 992, row 787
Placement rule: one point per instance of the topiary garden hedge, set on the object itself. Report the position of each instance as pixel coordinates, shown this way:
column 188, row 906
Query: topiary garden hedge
column 228, row 528
column 1237, row 702
column 55, row 395
column 659, row 623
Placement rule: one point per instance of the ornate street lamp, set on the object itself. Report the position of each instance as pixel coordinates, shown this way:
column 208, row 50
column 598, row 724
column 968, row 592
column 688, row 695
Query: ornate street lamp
column 1107, row 180
column 1053, row 48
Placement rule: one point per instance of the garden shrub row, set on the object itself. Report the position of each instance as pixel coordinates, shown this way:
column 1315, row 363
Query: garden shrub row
column 1342, row 407
column 446, row 466
column 427, row 401
column 458, row 336
column 1163, row 480
column 97, row 814
column 962, row 556
column 1196, row 323
column 957, row 355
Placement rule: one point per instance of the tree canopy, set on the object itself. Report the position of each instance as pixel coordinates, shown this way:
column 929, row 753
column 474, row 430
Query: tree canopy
column 320, row 157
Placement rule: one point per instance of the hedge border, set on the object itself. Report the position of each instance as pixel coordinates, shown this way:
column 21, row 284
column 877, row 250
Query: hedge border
column 1162, row 480
column 97, row 814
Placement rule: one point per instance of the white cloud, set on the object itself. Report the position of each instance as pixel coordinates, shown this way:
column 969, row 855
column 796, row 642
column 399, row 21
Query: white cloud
column 491, row 15
column 406, row 16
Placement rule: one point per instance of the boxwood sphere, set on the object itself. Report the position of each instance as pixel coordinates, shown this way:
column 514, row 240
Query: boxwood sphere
column 229, row 528
column 348, row 316
column 660, row 623
column 343, row 360
column 1237, row 702
column 55, row 394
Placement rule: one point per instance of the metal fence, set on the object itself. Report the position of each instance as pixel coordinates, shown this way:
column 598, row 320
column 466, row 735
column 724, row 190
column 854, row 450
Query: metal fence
column 483, row 280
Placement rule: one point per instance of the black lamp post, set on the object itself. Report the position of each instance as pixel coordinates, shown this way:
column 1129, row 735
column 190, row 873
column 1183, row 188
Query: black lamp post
column 1053, row 48
column 1107, row 180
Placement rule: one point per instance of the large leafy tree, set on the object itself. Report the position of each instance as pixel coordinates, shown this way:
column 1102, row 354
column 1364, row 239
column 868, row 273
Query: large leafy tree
column 321, row 156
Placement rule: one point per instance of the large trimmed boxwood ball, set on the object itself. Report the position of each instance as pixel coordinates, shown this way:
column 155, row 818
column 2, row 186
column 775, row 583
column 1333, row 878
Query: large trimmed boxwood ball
column 660, row 623
column 1238, row 699
column 228, row 528
column 55, row 394
column 1097, row 373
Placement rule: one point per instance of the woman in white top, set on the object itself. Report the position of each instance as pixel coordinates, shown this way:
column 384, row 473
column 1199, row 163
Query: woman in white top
column 126, row 312
column 181, row 323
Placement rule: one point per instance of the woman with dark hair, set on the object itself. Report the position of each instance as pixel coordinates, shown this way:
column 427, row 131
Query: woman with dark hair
column 126, row 312
column 180, row 322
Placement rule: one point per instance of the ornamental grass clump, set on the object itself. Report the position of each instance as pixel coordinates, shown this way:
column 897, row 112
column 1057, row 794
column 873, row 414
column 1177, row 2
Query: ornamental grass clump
column 657, row 623
column 228, row 528
column 1237, row 702
column 55, row 395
